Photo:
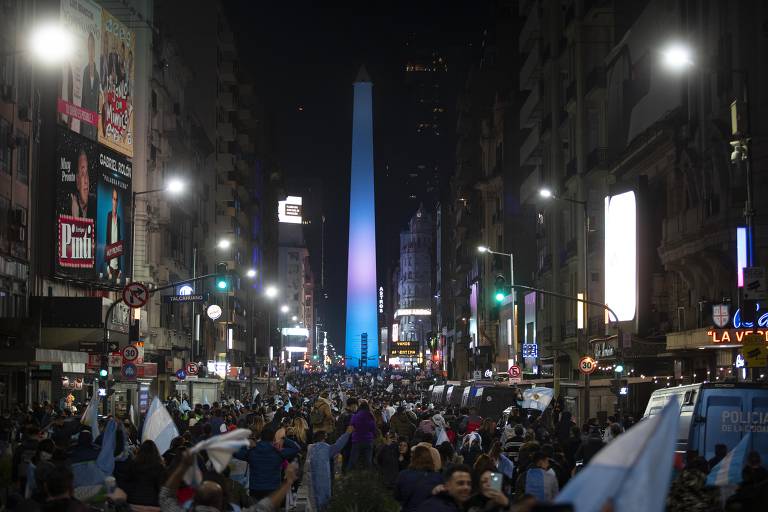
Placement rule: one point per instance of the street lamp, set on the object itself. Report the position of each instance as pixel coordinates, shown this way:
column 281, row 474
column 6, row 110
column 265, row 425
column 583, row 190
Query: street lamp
column 677, row 57
column 224, row 244
column 487, row 250
column 284, row 309
column 251, row 273
column 270, row 291
column 294, row 318
column 545, row 193
column 51, row 43
column 175, row 186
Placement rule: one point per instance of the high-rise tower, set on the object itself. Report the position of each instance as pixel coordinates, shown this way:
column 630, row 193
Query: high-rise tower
column 362, row 339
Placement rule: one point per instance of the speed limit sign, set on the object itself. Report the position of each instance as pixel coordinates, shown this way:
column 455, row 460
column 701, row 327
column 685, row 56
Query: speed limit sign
column 587, row 365
column 130, row 353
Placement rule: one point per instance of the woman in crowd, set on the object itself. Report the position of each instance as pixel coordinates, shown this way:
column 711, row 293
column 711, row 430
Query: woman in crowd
column 415, row 484
column 145, row 476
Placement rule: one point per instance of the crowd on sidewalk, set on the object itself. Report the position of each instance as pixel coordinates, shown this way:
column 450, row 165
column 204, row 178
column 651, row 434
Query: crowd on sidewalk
column 320, row 431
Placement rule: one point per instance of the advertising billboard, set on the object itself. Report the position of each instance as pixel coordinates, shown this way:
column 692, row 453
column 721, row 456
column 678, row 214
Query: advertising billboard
column 93, row 192
column 95, row 99
column 408, row 348
column 621, row 255
column 290, row 210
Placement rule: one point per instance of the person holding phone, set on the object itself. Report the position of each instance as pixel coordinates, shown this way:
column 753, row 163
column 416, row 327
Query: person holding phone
column 488, row 496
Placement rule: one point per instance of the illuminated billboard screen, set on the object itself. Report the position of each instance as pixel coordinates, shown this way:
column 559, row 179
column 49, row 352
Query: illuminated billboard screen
column 621, row 255
column 93, row 192
column 408, row 348
column 290, row 210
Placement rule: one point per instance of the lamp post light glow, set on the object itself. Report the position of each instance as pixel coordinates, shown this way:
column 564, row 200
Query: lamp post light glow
column 251, row 273
column 482, row 248
column 545, row 193
column 677, row 57
column 284, row 309
column 270, row 291
column 175, row 186
column 51, row 43
column 224, row 244
column 294, row 318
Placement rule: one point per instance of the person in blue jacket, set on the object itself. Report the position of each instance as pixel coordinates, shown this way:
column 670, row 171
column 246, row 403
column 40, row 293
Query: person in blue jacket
column 265, row 463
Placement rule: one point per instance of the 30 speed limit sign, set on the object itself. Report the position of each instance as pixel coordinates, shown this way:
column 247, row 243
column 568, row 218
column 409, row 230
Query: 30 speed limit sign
column 587, row 365
column 130, row 353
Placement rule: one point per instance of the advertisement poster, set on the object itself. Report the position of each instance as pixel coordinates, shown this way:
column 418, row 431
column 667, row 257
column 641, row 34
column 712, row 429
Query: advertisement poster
column 116, row 119
column 92, row 203
column 78, row 103
column 96, row 97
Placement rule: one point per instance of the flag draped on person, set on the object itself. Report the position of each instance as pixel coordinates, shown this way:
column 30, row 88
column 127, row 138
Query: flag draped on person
column 91, row 416
column 634, row 471
column 537, row 398
column 159, row 426
column 290, row 387
column 390, row 388
column 728, row 471
column 184, row 407
column 220, row 450
column 88, row 475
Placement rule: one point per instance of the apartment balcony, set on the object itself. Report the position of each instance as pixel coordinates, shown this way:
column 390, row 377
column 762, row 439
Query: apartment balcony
column 530, row 112
column 227, row 72
column 228, row 101
column 597, row 159
column 596, row 81
column 530, row 151
column 226, row 132
column 531, row 30
column 531, row 70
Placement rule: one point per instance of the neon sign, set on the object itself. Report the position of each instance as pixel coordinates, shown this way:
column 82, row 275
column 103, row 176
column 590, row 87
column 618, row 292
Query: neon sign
column 762, row 320
column 734, row 335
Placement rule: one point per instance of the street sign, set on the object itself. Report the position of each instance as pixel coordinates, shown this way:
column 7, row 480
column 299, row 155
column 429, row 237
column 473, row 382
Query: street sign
column 754, row 283
column 192, row 368
column 213, row 311
column 130, row 353
column 181, row 374
column 112, row 346
column 515, row 374
column 477, row 375
column 587, row 365
column 171, row 299
column 755, row 352
column 94, row 360
column 115, row 360
column 135, row 295
column 129, row 371
column 89, row 346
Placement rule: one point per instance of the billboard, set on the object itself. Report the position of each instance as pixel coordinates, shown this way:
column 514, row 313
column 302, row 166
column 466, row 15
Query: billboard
column 621, row 255
column 96, row 94
column 290, row 210
column 93, row 192
column 408, row 348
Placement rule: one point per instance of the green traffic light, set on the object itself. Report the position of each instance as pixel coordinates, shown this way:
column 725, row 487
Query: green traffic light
column 103, row 373
column 619, row 368
column 221, row 284
column 499, row 296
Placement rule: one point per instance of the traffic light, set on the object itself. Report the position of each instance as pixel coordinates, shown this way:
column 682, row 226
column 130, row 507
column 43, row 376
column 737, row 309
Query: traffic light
column 500, row 288
column 104, row 367
column 222, row 277
column 619, row 368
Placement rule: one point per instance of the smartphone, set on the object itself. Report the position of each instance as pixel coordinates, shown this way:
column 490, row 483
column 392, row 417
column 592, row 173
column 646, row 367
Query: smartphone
column 496, row 481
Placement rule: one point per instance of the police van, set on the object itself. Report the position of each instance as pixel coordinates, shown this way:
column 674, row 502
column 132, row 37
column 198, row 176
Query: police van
column 713, row 414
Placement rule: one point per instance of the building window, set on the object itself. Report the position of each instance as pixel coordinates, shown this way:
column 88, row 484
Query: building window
column 5, row 147
column 22, row 158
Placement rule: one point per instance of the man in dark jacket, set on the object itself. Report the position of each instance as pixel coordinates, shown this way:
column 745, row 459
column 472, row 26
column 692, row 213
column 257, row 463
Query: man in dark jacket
column 588, row 449
column 401, row 424
column 341, row 426
column 458, row 489
column 264, row 461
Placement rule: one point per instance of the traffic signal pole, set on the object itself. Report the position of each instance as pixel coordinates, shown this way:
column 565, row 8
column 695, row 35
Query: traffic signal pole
column 556, row 377
column 108, row 318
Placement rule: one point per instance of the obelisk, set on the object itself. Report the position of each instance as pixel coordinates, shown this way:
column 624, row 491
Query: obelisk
column 362, row 337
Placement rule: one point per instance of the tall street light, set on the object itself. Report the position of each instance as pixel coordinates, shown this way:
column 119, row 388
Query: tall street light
column 486, row 250
column 174, row 187
column 677, row 57
column 546, row 193
column 51, row 43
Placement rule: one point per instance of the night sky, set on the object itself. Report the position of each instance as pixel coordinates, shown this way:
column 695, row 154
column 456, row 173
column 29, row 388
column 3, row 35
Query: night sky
column 303, row 59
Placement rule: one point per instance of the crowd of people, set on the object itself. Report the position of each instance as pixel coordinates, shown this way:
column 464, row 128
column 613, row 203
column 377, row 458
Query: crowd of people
column 410, row 455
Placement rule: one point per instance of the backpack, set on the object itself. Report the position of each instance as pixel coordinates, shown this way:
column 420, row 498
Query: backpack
column 316, row 417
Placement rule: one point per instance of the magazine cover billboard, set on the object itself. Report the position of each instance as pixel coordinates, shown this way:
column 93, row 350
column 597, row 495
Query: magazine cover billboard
column 93, row 197
column 96, row 97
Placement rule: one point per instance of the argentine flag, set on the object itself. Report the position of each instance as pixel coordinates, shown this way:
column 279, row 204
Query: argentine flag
column 634, row 471
column 159, row 426
column 728, row 471
column 537, row 398
column 291, row 388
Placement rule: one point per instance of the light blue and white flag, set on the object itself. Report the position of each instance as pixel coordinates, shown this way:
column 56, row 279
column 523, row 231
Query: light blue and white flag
column 220, row 450
column 106, row 459
column 390, row 388
column 184, row 407
column 255, row 394
column 205, row 400
column 159, row 426
column 537, row 398
column 133, row 416
column 290, row 387
column 728, row 471
column 634, row 471
column 288, row 405
column 91, row 416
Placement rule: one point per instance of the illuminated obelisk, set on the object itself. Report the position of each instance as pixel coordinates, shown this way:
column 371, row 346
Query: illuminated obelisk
column 362, row 338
